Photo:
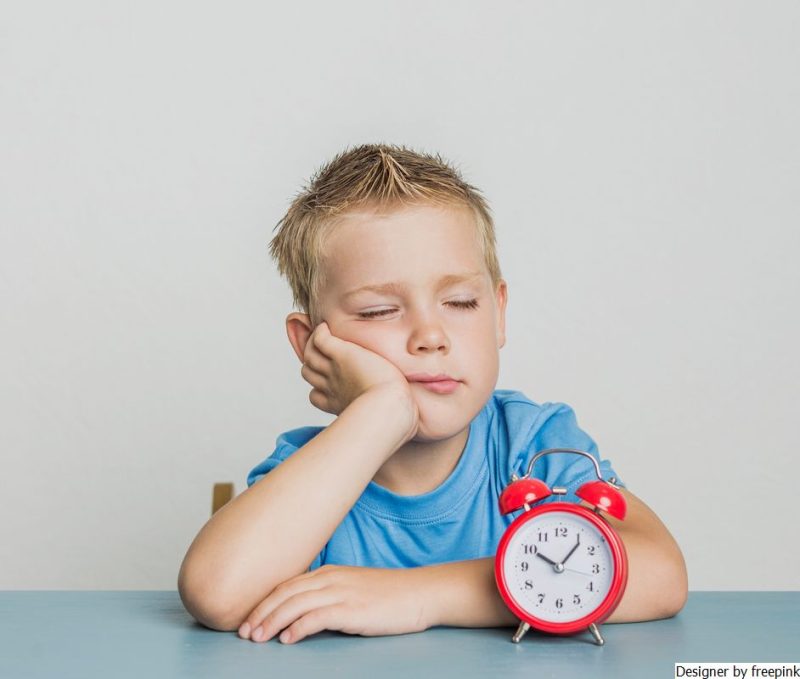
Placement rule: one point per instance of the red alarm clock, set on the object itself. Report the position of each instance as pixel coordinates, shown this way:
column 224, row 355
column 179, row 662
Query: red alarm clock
column 561, row 567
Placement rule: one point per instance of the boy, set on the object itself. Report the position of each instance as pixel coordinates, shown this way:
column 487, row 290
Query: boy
column 386, row 521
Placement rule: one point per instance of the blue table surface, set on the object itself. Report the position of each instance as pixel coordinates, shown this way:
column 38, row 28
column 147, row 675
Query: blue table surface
column 64, row 634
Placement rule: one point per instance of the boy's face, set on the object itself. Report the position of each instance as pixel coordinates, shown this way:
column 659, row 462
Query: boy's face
column 426, row 325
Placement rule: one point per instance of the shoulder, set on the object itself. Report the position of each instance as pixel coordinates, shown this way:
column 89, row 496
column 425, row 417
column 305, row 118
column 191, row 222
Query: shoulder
column 291, row 440
column 525, row 421
column 524, row 427
column 286, row 444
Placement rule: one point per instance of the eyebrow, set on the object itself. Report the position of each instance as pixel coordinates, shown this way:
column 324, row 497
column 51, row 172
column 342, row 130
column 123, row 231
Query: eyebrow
column 393, row 287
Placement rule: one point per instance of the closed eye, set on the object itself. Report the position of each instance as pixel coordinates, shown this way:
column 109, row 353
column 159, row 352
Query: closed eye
column 467, row 304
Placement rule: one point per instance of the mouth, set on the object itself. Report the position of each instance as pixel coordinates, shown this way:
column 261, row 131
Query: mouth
column 439, row 384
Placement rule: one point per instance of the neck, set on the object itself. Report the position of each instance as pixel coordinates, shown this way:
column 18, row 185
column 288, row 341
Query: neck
column 419, row 467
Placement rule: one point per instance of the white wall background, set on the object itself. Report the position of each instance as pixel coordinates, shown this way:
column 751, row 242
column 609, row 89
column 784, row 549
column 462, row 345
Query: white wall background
column 642, row 162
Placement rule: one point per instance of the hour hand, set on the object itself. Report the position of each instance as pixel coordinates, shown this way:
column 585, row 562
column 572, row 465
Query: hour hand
column 544, row 558
column 557, row 567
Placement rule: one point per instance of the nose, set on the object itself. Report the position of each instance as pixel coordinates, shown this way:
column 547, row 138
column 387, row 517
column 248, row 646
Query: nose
column 428, row 335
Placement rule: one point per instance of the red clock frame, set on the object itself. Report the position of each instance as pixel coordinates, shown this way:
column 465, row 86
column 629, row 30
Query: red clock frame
column 618, row 582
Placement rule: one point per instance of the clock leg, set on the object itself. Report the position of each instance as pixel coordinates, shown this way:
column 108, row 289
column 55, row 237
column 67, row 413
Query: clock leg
column 596, row 634
column 523, row 627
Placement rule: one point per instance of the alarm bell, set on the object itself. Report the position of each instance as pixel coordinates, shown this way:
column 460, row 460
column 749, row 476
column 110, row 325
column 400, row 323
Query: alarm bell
column 603, row 495
column 522, row 492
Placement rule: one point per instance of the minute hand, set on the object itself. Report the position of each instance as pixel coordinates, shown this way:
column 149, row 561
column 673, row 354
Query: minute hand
column 572, row 551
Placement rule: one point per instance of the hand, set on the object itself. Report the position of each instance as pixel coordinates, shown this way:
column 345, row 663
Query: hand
column 544, row 558
column 571, row 551
column 340, row 371
column 572, row 570
column 351, row 599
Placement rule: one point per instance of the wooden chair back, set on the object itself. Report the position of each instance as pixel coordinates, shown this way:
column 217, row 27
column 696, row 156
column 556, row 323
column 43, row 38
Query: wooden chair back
column 223, row 493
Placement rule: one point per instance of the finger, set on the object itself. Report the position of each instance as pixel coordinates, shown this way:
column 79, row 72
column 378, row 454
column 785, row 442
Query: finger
column 292, row 609
column 313, row 353
column 321, row 400
column 313, row 377
column 323, row 340
column 317, row 362
column 278, row 595
column 329, row 617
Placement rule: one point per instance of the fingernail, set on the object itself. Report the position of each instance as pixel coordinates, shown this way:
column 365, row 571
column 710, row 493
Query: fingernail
column 244, row 630
column 285, row 636
column 258, row 632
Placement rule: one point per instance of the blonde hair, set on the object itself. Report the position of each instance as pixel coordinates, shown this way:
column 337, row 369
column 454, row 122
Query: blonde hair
column 380, row 176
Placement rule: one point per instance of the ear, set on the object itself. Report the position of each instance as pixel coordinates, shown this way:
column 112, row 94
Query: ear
column 502, row 300
column 298, row 329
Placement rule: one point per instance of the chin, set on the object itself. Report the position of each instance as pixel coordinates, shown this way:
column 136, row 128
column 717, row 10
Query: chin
column 438, row 431
column 445, row 416
column 427, row 437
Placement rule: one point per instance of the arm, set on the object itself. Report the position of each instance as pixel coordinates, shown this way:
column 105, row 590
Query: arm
column 254, row 543
column 373, row 601
column 465, row 593
column 657, row 578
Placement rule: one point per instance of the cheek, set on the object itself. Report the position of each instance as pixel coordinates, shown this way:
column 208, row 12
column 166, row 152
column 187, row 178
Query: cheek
column 482, row 336
column 485, row 345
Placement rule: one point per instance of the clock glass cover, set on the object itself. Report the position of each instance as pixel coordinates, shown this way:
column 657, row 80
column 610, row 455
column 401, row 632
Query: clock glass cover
column 558, row 567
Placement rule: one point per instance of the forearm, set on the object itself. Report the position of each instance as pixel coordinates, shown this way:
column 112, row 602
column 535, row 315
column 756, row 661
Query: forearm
column 253, row 543
column 464, row 594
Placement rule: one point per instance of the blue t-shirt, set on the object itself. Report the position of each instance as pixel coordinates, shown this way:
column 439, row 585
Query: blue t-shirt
column 460, row 519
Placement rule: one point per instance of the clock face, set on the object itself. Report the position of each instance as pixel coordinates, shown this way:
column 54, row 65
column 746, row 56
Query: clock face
column 558, row 566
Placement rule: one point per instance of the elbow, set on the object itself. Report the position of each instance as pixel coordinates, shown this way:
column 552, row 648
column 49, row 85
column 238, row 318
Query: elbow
column 675, row 592
column 680, row 592
column 207, row 602
column 657, row 586
column 670, row 603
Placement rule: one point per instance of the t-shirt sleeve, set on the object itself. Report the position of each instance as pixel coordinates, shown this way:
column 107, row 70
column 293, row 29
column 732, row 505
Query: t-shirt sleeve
column 556, row 426
column 286, row 444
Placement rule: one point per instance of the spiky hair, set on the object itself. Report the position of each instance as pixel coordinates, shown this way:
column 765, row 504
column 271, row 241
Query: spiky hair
column 379, row 176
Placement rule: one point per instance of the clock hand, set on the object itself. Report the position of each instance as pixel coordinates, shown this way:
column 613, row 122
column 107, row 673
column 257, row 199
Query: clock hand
column 572, row 570
column 543, row 557
column 557, row 567
column 572, row 551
